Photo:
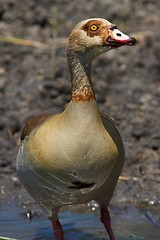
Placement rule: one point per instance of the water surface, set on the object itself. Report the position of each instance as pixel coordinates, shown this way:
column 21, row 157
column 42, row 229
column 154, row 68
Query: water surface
column 129, row 224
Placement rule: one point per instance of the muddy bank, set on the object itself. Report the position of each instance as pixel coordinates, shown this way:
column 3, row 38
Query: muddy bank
column 126, row 83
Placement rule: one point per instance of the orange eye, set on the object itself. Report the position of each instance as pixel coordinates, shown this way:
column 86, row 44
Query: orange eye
column 94, row 27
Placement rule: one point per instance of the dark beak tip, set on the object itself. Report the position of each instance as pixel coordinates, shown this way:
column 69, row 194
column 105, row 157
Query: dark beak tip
column 132, row 41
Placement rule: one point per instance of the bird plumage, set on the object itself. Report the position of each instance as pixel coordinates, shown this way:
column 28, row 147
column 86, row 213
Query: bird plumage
column 77, row 155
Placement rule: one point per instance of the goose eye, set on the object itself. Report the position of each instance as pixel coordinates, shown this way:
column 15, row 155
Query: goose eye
column 94, row 27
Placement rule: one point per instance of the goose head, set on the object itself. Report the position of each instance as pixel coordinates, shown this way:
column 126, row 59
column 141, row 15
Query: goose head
column 95, row 36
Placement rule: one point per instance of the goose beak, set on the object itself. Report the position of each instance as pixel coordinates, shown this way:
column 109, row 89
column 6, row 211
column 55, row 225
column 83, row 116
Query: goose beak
column 117, row 39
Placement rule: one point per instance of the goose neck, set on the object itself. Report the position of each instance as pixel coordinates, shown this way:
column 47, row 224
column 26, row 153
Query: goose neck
column 80, row 65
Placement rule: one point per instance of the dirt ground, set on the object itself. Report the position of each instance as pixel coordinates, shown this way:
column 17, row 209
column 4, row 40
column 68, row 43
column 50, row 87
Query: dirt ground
column 34, row 78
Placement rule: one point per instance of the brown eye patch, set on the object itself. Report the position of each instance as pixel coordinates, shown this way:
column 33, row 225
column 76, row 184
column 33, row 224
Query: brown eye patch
column 93, row 28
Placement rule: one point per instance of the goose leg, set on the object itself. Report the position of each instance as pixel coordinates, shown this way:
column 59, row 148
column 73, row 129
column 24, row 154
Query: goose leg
column 106, row 220
column 57, row 228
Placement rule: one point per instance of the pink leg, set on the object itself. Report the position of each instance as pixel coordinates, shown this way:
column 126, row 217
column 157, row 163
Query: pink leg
column 58, row 231
column 106, row 220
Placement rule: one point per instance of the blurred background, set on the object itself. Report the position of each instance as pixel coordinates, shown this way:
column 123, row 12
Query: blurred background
column 34, row 78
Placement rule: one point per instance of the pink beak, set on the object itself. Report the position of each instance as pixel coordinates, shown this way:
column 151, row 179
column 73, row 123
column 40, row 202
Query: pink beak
column 117, row 38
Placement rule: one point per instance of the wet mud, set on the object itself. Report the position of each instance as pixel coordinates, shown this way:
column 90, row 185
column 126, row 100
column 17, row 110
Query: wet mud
column 34, row 78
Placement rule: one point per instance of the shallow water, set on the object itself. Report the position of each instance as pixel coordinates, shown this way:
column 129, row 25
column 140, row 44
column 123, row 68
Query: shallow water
column 129, row 224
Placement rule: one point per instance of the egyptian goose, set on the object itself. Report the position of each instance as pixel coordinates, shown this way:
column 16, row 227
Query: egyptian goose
column 77, row 155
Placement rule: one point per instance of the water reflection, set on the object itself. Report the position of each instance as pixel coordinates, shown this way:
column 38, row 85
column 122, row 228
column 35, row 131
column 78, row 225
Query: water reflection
column 130, row 224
